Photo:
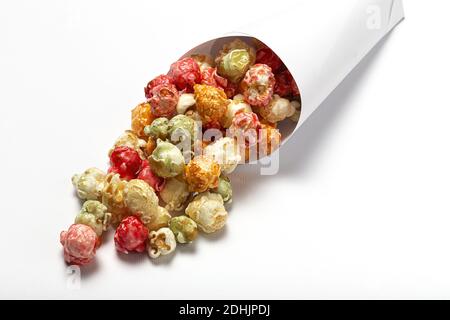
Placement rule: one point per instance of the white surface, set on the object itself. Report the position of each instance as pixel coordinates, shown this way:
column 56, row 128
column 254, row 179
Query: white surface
column 359, row 208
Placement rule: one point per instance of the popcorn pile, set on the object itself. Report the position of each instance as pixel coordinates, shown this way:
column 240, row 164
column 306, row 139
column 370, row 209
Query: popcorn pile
column 168, row 175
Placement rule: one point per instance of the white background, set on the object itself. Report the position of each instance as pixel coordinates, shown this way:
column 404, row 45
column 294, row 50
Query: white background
column 359, row 209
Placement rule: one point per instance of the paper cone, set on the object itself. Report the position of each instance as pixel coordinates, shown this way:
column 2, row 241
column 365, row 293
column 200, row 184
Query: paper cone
column 320, row 42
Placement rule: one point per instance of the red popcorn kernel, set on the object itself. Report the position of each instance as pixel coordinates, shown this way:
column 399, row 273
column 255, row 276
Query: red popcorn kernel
column 268, row 57
column 126, row 162
column 159, row 80
column 164, row 100
column 80, row 243
column 146, row 174
column 285, row 85
column 185, row 73
column 131, row 235
column 258, row 85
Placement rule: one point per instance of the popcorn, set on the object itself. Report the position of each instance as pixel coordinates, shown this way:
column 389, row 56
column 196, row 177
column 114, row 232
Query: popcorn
column 258, row 85
column 131, row 235
column 278, row 109
column 161, row 242
column 159, row 80
column 285, row 85
column 126, row 162
column 148, row 178
column 211, row 103
column 224, row 189
column 113, row 197
column 233, row 108
column 207, row 210
column 211, row 78
column 181, row 128
column 94, row 214
column 225, row 152
column 149, row 147
column 245, row 125
column 141, row 116
column 131, row 140
column 269, row 139
column 141, row 200
column 202, row 173
column 164, row 100
column 146, row 174
column 185, row 74
column 175, row 193
column 80, row 243
column 268, row 57
column 166, row 160
column 184, row 229
column 89, row 184
column 159, row 220
column 234, row 60
column 185, row 102
column 203, row 61
column 297, row 105
column 158, row 129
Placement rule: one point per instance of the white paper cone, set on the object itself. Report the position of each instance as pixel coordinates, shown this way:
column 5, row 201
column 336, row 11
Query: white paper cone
column 320, row 42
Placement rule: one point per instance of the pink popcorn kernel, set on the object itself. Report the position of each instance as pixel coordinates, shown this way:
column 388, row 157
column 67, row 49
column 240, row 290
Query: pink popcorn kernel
column 131, row 235
column 159, row 80
column 146, row 174
column 185, row 73
column 258, row 85
column 80, row 243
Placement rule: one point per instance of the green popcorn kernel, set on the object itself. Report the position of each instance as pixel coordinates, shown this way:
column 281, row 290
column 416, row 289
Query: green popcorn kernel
column 158, row 128
column 184, row 229
column 166, row 160
column 94, row 214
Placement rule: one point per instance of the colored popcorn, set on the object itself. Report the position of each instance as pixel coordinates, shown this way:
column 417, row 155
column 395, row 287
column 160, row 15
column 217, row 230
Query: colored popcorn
column 207, row 210
column 164, row 100
column 159, row 80
column 158, row 129
column 131, row 235
column 211, row 103
column 166, row 160
column 185, row 74
column 181, row 128
column 80, row 243
column 224, row 189
column 184, row 229
column 95, row 215
column 141, row 116
column 234, row 60
column 285, row 85
column 258, row 85
column 268, row 57
column 146, row 174
column 126, row 162
column 202, row 173
column 245, row 126
column 233, row 108
column 131, row 140
column 170, row 174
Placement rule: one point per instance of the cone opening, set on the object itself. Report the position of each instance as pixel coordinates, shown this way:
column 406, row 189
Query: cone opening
column 212, row 49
